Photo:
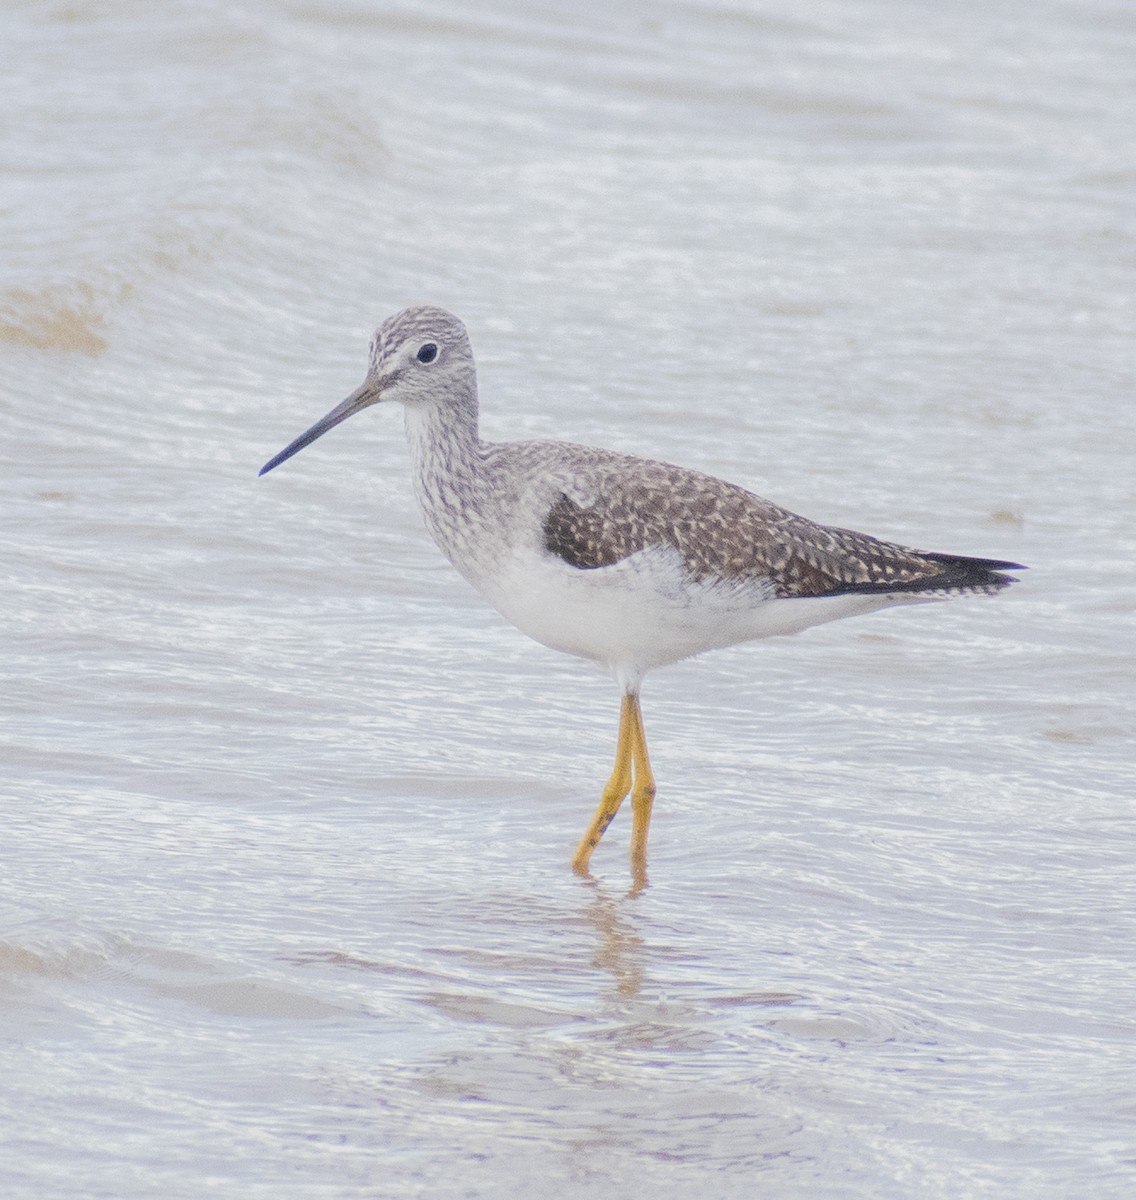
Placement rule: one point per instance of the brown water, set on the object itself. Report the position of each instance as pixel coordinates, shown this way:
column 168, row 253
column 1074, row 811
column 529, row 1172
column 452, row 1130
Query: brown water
column 285, row 903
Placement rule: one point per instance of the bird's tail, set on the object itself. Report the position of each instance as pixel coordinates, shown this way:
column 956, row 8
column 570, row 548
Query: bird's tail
column 958, row 575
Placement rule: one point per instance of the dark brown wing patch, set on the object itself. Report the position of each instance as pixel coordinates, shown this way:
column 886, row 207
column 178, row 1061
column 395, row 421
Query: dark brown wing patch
column 726, row 534
column 586, row 538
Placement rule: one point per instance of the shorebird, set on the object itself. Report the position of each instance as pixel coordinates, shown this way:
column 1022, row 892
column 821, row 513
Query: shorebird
column 628, row 562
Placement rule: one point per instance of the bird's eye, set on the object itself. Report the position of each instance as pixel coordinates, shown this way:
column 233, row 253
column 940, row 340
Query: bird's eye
column 427, row 353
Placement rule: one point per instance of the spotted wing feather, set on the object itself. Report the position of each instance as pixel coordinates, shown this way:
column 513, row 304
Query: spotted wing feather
column 726, row 534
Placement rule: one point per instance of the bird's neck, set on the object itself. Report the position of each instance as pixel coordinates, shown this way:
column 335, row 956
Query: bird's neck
column 448, row 460
column 444, row 439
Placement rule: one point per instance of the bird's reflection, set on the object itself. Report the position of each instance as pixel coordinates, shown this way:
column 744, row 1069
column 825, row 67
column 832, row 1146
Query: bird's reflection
column 619, row 949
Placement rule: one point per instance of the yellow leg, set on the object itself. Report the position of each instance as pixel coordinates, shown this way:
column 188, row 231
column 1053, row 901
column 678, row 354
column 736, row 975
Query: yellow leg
column 617, row 786
column 642, row 797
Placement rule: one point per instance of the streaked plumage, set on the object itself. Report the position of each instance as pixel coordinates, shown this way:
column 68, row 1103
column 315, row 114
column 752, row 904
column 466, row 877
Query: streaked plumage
column 626, row 561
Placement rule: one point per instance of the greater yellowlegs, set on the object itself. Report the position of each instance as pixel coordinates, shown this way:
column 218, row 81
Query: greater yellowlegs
column 628, row 562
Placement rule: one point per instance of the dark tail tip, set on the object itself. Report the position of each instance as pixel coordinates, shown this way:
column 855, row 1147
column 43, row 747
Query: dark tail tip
column 971, row 574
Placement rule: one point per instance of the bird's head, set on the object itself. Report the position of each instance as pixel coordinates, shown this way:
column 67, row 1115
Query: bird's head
column 419, row 357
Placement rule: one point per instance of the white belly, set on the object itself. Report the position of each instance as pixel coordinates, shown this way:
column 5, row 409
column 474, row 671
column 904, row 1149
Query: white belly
column 643, row 613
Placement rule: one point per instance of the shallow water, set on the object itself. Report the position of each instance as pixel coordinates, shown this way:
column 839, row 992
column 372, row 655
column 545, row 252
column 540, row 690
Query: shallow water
column 285, row 904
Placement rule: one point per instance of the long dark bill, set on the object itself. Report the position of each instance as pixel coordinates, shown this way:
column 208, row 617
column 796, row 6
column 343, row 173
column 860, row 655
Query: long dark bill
column 363, row 396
